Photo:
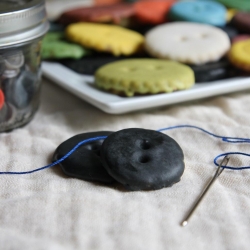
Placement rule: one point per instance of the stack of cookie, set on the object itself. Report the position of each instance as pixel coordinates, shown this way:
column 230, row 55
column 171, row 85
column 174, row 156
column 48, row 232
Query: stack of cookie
column 139, row 159
column 153, row 46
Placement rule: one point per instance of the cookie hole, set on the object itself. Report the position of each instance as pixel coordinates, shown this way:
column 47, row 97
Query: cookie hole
column 125, row 69
column 133, row 69
column 150, row 67
column 145, row 144
column 94, row 147
column 208, row 7
column 144, row 159
column 159, row 67
column 184, row 38
column 98, row 152
column 197, row 8
column 204, row 36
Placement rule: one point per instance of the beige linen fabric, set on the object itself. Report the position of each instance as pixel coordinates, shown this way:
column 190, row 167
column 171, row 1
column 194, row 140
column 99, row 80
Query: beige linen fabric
column 49, row 211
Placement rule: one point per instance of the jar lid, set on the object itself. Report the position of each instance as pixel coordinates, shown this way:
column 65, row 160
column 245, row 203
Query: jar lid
column 21, row 21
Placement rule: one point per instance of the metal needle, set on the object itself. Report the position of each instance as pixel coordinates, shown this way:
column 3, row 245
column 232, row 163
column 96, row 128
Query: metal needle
column 220, row 169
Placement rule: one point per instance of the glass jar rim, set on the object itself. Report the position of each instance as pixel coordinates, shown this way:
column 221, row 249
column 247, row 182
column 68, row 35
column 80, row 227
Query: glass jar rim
column 23, row 23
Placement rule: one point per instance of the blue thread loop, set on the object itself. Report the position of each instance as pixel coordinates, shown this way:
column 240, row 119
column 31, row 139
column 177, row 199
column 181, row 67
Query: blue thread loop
column 224, row 139
column 235, row 140
column 231, row 153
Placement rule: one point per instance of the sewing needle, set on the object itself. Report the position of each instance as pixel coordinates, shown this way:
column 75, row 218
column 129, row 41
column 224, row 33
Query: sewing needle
column 217, row 174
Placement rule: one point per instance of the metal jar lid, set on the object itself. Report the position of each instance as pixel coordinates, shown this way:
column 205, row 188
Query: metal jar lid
column 21, row 21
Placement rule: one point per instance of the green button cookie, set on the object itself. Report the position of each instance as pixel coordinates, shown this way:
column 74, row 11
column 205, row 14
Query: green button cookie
column 144, row 76
column 54, row 47
column 237, row 4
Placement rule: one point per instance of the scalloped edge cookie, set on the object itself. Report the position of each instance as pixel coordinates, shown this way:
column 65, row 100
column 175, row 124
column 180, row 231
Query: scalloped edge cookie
column 239, row 54
column 131, row 77
column 106, row 38
column 185, row 42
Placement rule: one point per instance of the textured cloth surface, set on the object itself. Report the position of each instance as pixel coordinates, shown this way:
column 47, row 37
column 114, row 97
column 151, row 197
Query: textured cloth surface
column 47, row 210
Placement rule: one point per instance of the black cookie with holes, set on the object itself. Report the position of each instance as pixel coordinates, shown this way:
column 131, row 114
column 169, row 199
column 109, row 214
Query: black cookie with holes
column 142, row 159
column 85, row 162
column 214, row 71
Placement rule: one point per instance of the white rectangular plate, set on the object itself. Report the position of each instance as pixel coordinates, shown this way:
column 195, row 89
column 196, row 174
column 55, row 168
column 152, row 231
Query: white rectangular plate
column 83, row 87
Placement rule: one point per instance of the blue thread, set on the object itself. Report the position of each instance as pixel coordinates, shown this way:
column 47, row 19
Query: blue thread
column 223, row 138
column 231, row 153
column 61, row 159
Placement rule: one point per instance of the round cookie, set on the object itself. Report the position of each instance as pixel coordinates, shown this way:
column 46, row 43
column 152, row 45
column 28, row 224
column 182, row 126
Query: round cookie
column 152, row 11
column 143, row 159
column 187, row 42
column 85, row 162
column 1, row 99
column 144, row 76
column 53, row 47
column 239, row 54
column 208, row 12
column 119, row 14
column 237, row 4
column 106, row 38
column 53, row 36
column 60, row 49
column 241, row 21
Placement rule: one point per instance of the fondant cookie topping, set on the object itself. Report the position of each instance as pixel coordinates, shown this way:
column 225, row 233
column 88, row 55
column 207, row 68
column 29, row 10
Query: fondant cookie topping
column 205, row 11
column 106, row 38
column 144, row 76
column 143, row 159
column 186, row 42
column 85, row 162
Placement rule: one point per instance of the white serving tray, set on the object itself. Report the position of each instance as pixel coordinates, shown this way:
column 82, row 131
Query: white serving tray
column 83, row 87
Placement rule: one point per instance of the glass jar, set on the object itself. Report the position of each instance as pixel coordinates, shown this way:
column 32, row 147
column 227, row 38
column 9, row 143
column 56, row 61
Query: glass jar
column 22, row 26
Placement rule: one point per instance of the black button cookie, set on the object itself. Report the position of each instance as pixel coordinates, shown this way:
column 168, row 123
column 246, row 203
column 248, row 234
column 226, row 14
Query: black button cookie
column 88, row 65
column 84, row 163
column 214, row 71
column 142, row 159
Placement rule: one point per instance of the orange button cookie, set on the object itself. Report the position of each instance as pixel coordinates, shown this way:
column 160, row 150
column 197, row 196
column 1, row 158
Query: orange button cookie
column 152, row 12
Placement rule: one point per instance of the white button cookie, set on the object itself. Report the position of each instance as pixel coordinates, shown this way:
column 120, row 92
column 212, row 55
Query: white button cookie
column 187, row 42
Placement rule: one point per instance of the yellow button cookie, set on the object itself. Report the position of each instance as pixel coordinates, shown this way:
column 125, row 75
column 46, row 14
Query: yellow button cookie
column 239, row 54
column 107, row 38
column 144, row 76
